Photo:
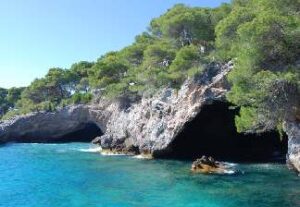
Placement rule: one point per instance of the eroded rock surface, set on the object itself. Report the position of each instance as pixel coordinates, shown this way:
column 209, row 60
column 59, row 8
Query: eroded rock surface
column 51, row 126
column 149, row 125
column 208, row 165
column 153, row 123
column 293, row 156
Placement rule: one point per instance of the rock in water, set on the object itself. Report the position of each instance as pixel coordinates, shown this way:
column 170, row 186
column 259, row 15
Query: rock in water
column 208, row 165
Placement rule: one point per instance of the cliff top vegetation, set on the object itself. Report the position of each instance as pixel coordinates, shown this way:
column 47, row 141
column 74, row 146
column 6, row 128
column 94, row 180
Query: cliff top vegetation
column 261, row 36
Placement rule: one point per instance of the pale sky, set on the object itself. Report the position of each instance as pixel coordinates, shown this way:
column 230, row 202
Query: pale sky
column 37, row 35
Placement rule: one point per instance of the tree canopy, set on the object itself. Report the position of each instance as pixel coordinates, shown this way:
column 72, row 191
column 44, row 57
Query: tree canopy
column 262, row 37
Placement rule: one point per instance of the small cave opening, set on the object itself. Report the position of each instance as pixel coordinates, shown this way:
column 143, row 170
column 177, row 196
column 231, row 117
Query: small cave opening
column 213, row 133
column 86, row 133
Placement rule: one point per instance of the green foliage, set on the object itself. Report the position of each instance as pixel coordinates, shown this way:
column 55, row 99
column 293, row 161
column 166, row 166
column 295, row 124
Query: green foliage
column 109, row 69
column 81, row 68
column 46, row 94
column 226, row 31
column 9, row 98
column 11, row 114
column 158, row 56
column 14, row 94
column 247, row 119
column 83, row 85
column 117, row 90
column 81, row 98
column 219, row 13
column 134, row 54
column 188, row 62
column 157, row 59
column 79, row 76
column 185, row 25
column 3, row 101
column 263, row 38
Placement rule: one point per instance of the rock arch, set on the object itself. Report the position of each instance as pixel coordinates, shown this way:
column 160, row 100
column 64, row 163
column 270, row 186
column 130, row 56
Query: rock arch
column 72, row 123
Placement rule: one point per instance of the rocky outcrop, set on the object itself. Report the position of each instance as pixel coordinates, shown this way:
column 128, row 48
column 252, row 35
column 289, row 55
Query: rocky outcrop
column 149, row 125
column 293, row 156
column 50, row 126
column 153, row 123
column 208, row 165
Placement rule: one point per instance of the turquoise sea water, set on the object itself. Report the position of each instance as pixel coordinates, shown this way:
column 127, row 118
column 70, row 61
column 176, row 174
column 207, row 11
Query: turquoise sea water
column 66, row 175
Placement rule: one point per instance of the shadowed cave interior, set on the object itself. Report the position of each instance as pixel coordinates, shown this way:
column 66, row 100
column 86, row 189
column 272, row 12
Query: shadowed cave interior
column 213, row 133
column 86, row 133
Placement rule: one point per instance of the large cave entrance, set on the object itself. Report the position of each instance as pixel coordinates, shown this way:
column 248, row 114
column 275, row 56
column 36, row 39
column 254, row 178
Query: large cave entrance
column 86, row 133
column 213, row 133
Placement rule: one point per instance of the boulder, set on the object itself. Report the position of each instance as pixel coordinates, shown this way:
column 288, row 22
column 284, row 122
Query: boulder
column 208, row 165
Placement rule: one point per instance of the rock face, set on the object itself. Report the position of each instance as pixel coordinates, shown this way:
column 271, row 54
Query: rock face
column 149, row 125
column 153, row 123
column 50, row 126
column 293, row 156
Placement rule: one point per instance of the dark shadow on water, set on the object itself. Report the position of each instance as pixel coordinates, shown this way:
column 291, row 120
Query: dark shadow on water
column 213, row 133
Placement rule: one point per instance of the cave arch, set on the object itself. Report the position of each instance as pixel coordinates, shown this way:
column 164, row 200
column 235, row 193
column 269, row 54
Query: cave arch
column 85, row 133
column 212, row 132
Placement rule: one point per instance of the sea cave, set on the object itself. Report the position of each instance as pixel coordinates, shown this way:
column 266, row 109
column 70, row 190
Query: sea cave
column 213, row 133
column 85, row 132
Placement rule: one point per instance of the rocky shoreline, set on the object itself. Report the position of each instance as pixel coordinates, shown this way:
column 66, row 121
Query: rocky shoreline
column 148, row 127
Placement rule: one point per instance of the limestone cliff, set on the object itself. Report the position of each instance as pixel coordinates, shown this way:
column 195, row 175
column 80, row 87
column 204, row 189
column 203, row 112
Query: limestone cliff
column 50, row 126
column 152, row 124
column 148, row 126
column 293, row 156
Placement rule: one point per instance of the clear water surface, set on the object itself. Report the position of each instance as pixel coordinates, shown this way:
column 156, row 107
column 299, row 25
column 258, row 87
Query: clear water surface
column 67, row 175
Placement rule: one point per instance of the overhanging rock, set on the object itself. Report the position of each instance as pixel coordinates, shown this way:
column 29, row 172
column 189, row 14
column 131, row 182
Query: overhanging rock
column 63, row 125
column 153, row 123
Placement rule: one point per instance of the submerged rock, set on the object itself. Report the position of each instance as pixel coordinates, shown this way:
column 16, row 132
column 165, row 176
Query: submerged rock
column 208, row 165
